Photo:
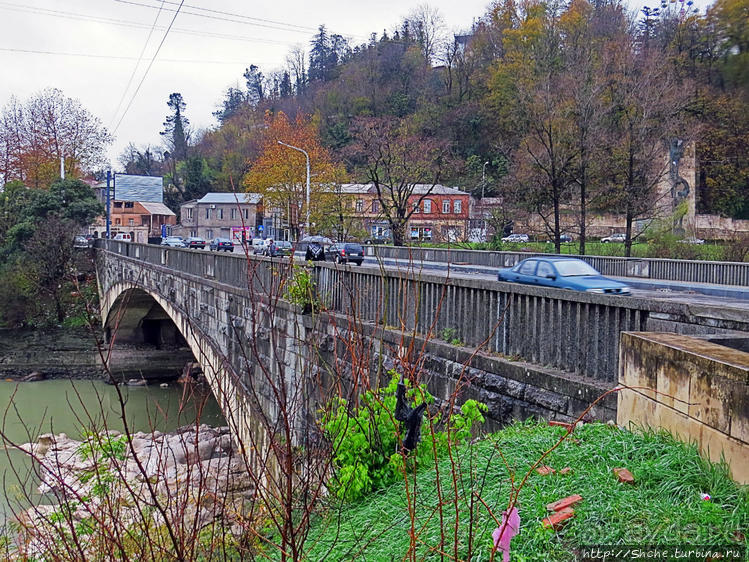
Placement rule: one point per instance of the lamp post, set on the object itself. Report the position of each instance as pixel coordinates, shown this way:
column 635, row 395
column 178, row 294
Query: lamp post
column 306, row 223
column 483, row 180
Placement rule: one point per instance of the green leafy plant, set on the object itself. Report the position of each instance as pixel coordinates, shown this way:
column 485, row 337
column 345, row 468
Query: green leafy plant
column 367, row 451
column 301, row 291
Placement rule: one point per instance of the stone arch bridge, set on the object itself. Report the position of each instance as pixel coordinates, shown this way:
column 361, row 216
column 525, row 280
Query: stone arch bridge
column 541, row 351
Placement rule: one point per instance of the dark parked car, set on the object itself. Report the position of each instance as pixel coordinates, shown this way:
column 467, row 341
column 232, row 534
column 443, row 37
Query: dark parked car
column 343, row 252
column 562, row 273
column 283, row 248
column 219, row 244
column 195, row 242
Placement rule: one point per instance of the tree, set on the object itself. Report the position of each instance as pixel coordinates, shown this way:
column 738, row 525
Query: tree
column 176, row 132
column 646, row 114
column 429, row 27
column 396, row 157
column 36, row 233
column 279, row 173
column 255, row 85
column 533, row 107
column 141, row 161
column 233, row 100
column 35, row 135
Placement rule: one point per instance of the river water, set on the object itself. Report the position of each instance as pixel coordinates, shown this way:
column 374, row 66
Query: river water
column 28, row 410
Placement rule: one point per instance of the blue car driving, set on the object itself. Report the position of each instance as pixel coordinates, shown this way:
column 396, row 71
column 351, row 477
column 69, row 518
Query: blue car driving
column 562, row 273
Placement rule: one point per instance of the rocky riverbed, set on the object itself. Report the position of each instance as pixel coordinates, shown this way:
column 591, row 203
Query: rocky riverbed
column 189, row 478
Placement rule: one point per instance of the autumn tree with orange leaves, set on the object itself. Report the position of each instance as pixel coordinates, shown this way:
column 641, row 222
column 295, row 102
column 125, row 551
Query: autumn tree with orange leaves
column 279, row 173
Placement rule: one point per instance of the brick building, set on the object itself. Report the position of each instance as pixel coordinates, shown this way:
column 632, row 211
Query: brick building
column 441, row 215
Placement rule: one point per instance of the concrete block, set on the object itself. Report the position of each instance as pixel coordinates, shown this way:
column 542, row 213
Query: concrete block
column 710, row 400
column 546, row 399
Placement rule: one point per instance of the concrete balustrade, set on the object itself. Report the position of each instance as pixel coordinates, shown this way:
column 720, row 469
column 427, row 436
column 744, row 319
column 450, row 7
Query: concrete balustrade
column 575, row 332
column 722, row 273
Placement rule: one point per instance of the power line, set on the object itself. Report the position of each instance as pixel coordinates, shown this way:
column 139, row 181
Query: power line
column 143, row 79
column 136, row 25
column 113, row 57
column 137, row 64
column 258, row 22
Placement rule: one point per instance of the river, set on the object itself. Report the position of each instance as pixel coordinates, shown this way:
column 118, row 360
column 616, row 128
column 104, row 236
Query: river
column 71, row 407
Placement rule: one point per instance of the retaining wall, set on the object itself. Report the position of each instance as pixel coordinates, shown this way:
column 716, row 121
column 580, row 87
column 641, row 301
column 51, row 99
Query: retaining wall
column 696, row 389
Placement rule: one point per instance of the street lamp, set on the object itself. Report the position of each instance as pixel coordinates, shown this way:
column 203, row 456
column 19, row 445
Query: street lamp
column 483, row 180
column 306, row 225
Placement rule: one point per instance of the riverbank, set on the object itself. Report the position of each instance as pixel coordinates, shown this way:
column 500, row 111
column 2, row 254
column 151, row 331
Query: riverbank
column 72, row 353
column 153, row 485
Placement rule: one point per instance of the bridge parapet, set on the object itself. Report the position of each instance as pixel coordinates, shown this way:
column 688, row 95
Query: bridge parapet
column 574, row 332
column 696, row 271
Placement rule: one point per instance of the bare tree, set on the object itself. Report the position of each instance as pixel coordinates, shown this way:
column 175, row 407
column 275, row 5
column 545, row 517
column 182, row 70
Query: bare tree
column 396, row 159
column 427, row 23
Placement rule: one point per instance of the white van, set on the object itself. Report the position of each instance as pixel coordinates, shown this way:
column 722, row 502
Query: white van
column 259, row 245
column 123, row 237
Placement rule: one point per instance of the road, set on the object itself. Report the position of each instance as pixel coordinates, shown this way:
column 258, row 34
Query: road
column 689, row 293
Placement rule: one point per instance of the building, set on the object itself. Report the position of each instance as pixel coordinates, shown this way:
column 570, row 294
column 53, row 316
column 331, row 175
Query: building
column 222, row 215
column 136, row 207
column 441, row 213
column 142, row 219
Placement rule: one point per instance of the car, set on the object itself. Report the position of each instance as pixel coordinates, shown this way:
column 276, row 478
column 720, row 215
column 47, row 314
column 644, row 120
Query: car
column 123, row 237
column 565, row 238
column 173, row 241
column 379, row 240
column 343, row 252
column 616, row 237
column 516, row 239
column 562, row 273
column 195, row 242
column 82, row 242
column 219, row 244
column 259, row 245
column 284, row 248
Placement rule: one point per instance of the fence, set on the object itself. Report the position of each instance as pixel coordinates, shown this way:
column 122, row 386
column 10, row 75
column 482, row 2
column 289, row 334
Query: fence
column 575, row 332
column 722, row 273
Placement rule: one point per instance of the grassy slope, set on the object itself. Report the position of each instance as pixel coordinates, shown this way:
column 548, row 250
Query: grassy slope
column 663, row 507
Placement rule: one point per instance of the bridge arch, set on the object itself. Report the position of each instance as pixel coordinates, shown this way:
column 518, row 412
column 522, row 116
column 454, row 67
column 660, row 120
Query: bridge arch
column 116, row 303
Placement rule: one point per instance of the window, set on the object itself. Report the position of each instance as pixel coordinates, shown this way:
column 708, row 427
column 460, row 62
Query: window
column 457, row 206
column 194, row 233
column 359, row 205
column 209, row 233
column 528, row 268
column 233, row 214
column 117, row 221
column 446, row 206
column 375, row 206
column 246, row 214
column 128, row 204
column 427, row 206
column 118, row 204
column 416, row 208
column 189, row 213
column 131, row 222
column 207, row 213
column 544, row 269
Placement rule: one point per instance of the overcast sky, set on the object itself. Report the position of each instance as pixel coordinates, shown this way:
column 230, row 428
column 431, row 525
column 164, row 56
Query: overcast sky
column 89, row 49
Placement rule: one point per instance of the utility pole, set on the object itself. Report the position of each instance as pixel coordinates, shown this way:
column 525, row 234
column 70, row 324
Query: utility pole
column 306, row 224
column 62, row 167
column 483, row 181
column 109, row 208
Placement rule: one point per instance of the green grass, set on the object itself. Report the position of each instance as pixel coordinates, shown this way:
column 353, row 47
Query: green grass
column 663, row 507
